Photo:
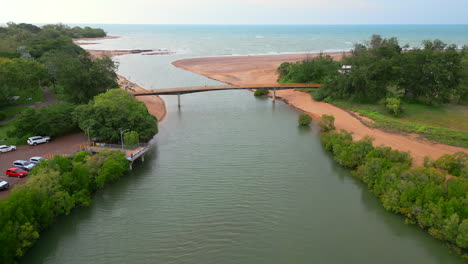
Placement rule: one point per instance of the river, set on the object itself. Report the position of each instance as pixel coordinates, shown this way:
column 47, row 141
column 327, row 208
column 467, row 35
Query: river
column 232, row 179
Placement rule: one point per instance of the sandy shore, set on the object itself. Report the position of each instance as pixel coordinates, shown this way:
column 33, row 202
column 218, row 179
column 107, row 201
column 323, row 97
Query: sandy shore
column 155, row 104
column 242, row 70
column 93, row 39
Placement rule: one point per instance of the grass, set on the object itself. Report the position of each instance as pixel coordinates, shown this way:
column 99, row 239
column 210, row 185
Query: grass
column 445, row 124
column 4, row 127
column 10, row 111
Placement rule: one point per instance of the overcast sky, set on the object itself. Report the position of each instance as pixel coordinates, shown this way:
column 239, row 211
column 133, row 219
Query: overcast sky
column 236, row 11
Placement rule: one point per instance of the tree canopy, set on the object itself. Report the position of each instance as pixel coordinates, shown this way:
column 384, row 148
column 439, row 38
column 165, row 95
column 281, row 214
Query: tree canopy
column 114, row 110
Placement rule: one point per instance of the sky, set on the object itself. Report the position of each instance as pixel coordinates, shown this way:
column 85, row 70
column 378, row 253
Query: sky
column 235, row 11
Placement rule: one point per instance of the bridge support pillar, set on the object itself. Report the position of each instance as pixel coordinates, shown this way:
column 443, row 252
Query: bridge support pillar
column 274, row 94
column 178, row 100
column 131, row 165
column 143, row 158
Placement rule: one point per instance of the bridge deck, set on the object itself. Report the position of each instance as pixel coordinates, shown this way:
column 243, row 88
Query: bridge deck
column 185, row 90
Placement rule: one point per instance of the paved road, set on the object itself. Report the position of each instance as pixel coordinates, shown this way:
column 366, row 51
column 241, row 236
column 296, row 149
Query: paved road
column 64, row 145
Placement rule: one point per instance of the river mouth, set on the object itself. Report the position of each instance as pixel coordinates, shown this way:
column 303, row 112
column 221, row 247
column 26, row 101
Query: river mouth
column 232, row 179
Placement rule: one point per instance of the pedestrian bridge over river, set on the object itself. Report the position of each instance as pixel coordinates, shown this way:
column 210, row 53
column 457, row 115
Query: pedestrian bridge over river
column 186, row 90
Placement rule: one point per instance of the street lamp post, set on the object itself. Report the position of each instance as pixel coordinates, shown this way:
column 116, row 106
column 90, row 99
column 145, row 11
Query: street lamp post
column 89, row 140
column 121, row 136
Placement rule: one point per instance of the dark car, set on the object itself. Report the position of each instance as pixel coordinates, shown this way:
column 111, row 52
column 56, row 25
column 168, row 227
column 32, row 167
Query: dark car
column 16, row 172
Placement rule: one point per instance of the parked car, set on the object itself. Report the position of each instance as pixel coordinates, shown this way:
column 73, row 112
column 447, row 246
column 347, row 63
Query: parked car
column 6, row 148
column 24, row 164
column 38, row 140
column 16, row 172
column 36, row 160
column 4, row 185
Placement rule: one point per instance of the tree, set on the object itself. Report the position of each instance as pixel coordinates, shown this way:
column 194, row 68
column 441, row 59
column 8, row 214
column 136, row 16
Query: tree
column 318, row 69
column 112, row 111
column 304, row 119
column 53, row 120
column 131, row 138
column 79, row 77
column 462, row 237
column 327, row 123
column 19, row 78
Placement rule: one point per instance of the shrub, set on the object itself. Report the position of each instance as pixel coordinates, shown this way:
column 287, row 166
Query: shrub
column 2, row 115
column 319, row 94
column 327, row 123
column 131, row 138
column 393, row 105
column 454, row 164
column 261, row 92
column 304, row 119
column 53, row 120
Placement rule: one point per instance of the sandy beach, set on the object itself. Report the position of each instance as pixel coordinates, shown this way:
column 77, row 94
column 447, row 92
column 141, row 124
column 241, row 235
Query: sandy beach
column 242, row 70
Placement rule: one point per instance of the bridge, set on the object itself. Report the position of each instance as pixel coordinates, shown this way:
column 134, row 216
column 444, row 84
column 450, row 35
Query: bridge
column 187, row 90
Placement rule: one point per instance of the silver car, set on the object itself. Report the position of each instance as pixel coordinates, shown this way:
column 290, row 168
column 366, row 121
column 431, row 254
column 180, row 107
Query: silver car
column 6, row 148
column 23, row 164
column 36, row 160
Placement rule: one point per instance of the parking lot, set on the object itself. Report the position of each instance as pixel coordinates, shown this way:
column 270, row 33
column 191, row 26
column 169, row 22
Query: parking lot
column 64, row 145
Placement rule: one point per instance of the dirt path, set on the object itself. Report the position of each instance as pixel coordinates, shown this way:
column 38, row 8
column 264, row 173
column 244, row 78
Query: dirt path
column 242, row 70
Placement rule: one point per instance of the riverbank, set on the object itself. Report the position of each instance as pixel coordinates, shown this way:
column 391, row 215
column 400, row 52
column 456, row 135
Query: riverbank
column 241, row 70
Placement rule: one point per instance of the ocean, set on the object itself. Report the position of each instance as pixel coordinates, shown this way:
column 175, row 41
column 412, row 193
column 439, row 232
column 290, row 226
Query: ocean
column 188, row 41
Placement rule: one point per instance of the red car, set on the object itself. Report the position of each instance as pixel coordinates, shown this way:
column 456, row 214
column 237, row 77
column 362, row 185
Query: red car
column 16, row 172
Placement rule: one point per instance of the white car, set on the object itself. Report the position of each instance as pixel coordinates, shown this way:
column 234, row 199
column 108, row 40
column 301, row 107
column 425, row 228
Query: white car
column 23, row 164
column 4, row 185
column 38, row 140
column 6, row 148
column 36, row 160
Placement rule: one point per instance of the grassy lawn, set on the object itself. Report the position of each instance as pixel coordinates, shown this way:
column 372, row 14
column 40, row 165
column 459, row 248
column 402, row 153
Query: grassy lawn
column 12, row 110
column 445, row 124
column 4, row 127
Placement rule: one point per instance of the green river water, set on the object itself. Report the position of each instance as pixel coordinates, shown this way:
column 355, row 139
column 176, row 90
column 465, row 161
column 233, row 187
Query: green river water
column 233, row 179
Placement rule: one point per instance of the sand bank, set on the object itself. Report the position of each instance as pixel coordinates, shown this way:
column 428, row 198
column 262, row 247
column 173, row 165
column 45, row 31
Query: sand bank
column 101, row 38
column 242, row 70
column 154, row 103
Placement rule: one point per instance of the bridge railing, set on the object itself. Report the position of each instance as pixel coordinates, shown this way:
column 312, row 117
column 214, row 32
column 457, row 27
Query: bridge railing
column 119, row 146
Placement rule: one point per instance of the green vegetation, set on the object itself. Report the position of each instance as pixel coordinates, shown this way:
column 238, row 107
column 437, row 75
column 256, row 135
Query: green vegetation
column 19, row 78
column 327, row 123
column 420, row 90
column 422, row 195
column 131, row 138
column 411, row 121
column 435, row 74
column 319, row 69
column 32, row 57
column 114, row 110
column 55, row 187
column 53, row 120
column 42, row 56
column 393, row 105
column 304, row 119
column 261, row 92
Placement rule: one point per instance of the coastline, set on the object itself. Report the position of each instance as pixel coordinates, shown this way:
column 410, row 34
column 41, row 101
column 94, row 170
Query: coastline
column 241, row 70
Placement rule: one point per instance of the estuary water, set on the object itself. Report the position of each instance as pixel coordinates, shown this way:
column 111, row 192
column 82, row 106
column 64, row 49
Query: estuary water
column 230, row 179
